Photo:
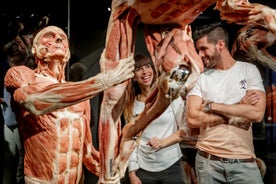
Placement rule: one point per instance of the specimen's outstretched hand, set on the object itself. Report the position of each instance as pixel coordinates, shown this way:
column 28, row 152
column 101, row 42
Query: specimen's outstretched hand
column 116, row 73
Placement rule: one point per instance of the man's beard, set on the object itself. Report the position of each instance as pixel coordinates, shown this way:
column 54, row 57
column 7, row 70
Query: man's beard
column 213, row 60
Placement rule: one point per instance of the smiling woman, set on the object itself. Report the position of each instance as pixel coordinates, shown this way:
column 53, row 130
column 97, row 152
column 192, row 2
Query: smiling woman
column 85, row 26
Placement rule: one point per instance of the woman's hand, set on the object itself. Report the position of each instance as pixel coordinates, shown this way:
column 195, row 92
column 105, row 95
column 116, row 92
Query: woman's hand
column 156, row 143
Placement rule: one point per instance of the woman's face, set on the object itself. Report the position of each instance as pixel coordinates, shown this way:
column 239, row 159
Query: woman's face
column 144, row 75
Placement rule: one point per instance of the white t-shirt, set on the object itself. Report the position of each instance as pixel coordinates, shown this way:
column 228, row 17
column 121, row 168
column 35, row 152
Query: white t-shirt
column 227, row 87
column 147, row 158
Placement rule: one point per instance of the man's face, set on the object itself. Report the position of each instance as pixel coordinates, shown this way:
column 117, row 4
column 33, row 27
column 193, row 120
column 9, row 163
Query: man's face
column 51, row 43
column 208, row 53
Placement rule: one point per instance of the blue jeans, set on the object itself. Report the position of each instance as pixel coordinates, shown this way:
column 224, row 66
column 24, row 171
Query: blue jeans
column 172, row 175
column 213, row 172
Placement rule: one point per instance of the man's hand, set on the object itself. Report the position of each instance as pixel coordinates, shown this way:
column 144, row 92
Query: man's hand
column 250, row 99
column 239, row 122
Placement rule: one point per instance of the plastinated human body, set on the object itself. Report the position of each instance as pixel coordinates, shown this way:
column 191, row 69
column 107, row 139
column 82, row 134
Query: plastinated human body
column 54, row 115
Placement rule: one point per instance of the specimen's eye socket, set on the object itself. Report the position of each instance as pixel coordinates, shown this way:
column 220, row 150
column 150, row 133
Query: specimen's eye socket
column 49, row 36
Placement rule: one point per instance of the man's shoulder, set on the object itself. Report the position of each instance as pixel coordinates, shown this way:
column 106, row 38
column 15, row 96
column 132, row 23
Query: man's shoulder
column 249, row 67
column 245, row 64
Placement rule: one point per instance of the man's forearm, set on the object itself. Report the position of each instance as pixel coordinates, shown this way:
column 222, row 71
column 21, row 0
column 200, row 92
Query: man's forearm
column 236, row 110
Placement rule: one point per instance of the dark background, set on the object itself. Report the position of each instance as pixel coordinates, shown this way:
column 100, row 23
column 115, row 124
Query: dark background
column 85, row 23
column 81, row 19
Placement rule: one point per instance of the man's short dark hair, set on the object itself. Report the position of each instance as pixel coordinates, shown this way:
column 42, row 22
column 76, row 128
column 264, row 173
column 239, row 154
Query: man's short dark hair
column 214, row 32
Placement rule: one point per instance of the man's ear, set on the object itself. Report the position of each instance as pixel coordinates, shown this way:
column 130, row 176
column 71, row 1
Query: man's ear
column 220, row 44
